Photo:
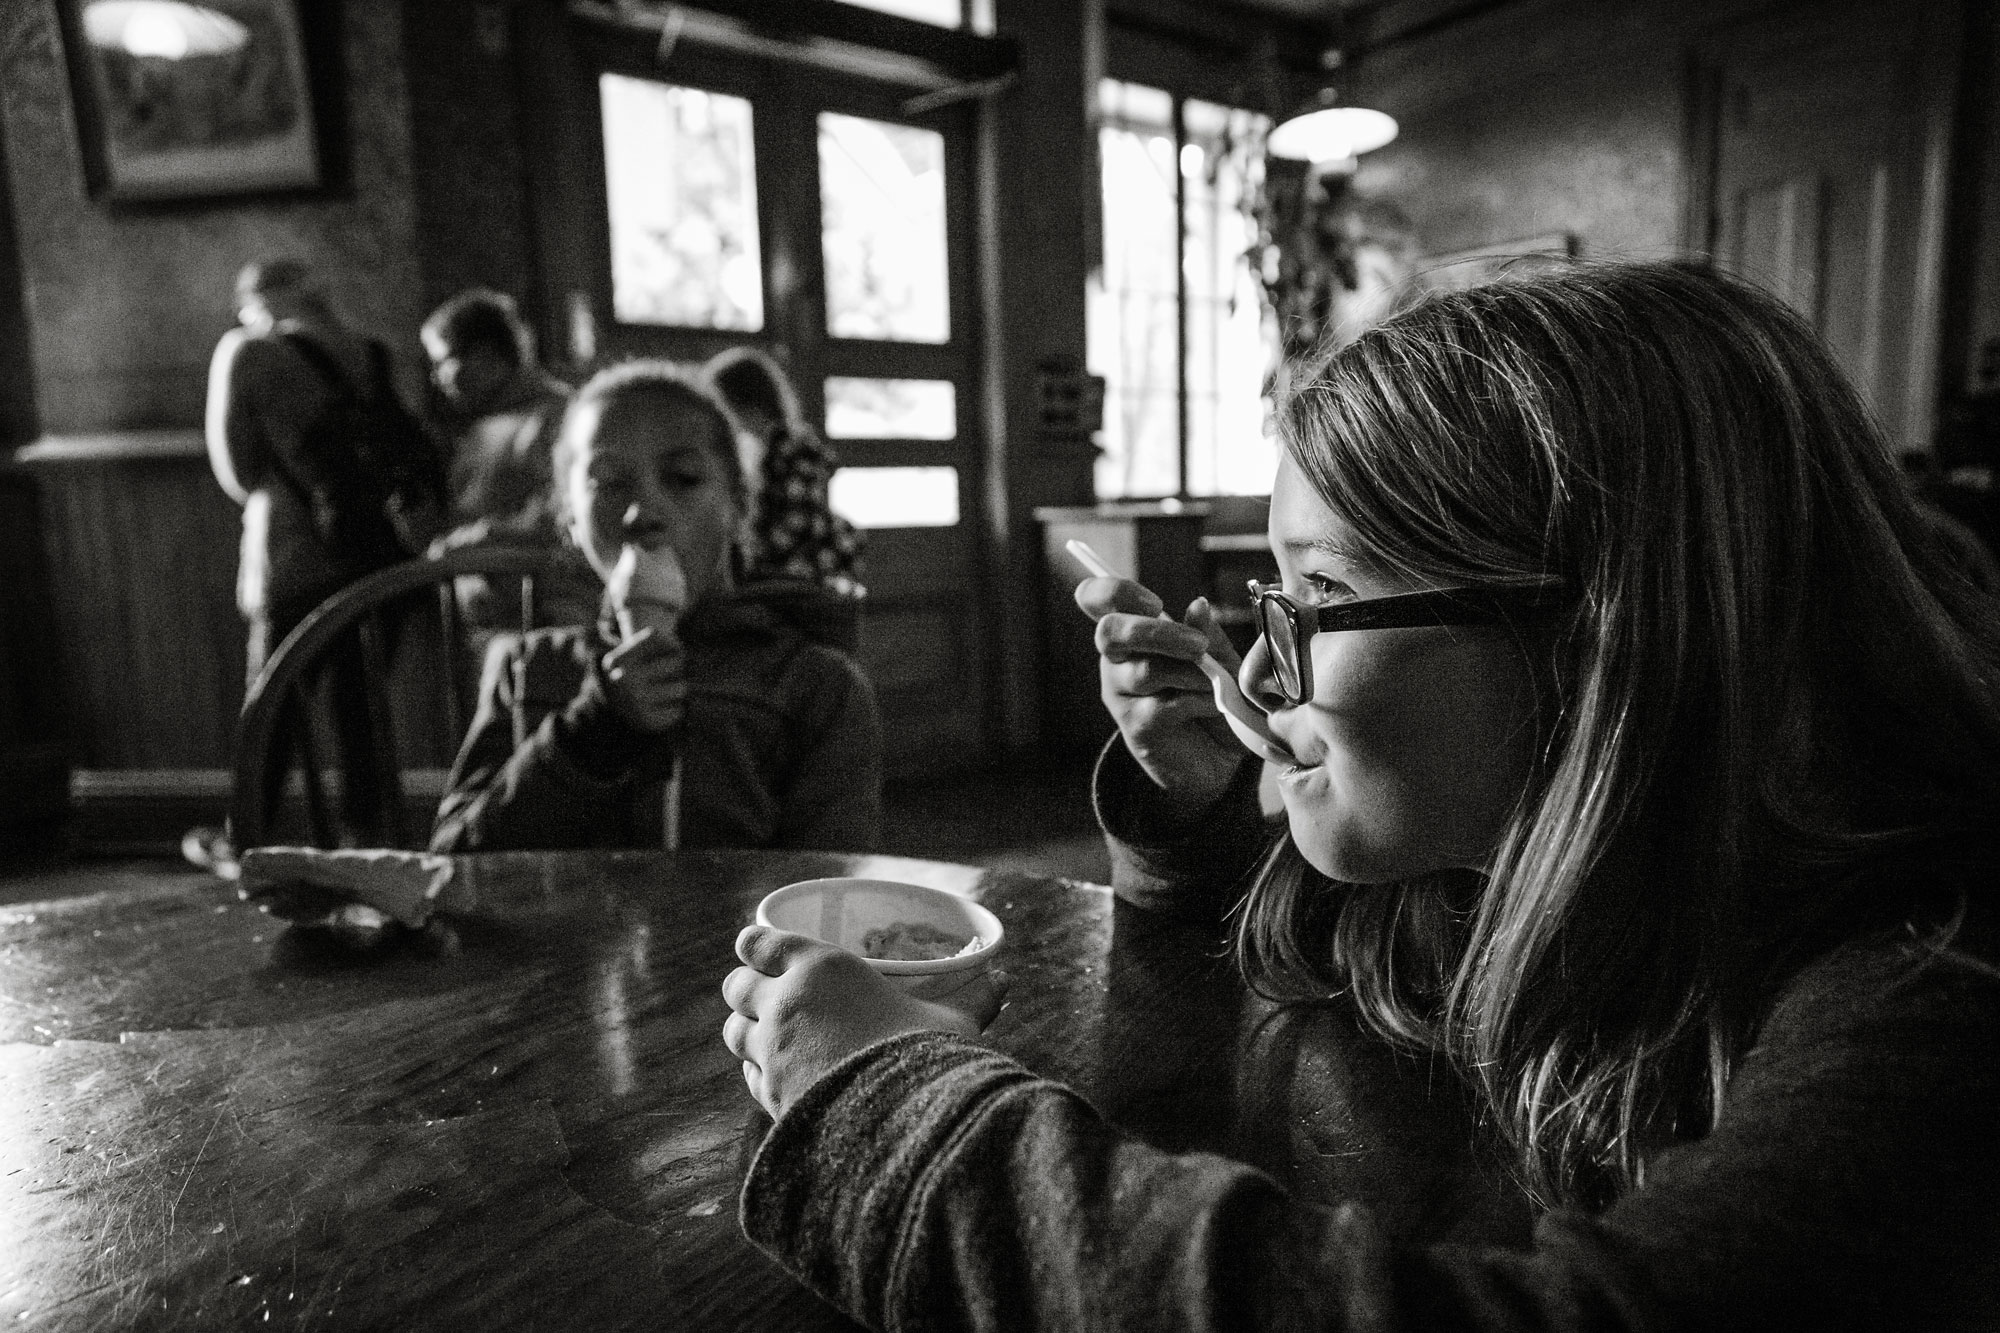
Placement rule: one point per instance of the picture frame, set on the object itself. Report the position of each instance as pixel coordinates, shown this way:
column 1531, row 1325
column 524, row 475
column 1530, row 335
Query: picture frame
column 191, row 99
column 1460, row 269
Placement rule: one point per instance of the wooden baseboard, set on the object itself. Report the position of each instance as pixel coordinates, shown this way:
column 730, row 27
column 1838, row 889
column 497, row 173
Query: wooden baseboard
column 146, row 811
column 34, row 781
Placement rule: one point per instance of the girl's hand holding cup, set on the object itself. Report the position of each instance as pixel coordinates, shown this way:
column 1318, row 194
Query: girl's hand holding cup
column 1156, row 693
column 645, row 677
column 800, row 1006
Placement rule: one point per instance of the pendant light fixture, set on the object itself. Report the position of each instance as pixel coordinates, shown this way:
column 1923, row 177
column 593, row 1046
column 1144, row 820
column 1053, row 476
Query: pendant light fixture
column 1330, row 135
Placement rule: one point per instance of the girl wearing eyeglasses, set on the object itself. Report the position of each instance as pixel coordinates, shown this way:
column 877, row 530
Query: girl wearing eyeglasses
column 1642, row 790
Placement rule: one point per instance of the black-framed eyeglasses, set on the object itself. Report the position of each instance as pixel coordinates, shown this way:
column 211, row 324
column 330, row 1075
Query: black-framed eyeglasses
column 1288, row 626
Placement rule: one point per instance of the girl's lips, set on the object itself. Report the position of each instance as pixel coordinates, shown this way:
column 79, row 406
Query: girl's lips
column 1298, row 765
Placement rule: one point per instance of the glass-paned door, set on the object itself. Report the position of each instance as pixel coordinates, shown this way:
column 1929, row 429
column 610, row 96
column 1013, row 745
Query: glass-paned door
column 744, row 200
column 896, row 388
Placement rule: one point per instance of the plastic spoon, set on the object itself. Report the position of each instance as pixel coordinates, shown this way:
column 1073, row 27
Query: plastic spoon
column 1244, row 718
column 652, row 578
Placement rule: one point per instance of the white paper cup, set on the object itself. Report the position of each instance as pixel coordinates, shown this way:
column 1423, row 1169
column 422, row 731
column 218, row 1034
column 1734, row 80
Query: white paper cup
column 843, row 911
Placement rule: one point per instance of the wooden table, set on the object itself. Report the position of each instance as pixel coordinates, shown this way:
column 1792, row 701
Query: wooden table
column 528, row 1120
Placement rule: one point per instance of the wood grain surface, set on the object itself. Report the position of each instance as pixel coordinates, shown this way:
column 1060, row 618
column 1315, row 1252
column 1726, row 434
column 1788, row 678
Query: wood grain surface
column 524, row 1117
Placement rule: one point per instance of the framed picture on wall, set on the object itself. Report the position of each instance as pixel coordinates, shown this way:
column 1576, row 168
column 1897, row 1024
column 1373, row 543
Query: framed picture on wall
column 189, row 99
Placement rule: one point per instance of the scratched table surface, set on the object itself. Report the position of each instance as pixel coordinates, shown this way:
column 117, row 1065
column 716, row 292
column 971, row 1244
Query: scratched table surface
column 525, row 1119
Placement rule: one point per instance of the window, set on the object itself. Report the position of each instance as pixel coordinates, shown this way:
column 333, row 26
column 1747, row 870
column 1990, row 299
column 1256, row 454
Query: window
column 1174, row 321
column 681, row 180
column 881, row 409
column 882, row 230
column 896, row 497
column 944, row 13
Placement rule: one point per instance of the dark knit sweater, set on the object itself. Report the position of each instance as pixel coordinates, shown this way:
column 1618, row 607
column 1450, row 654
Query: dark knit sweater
column 1853, row 1180
column 781, row 747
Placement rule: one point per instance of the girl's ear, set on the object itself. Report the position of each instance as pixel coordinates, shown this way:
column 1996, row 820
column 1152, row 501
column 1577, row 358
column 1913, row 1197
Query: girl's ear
column 566, row 519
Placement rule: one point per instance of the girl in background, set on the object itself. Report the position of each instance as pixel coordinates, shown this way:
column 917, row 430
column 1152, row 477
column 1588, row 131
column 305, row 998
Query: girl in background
column 579, row 729
column 793, row 534
column 1644, row 775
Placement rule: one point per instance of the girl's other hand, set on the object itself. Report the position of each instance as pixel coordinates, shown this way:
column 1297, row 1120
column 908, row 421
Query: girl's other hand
column 800, row 1007
column 645, row 678
column 1156, row 693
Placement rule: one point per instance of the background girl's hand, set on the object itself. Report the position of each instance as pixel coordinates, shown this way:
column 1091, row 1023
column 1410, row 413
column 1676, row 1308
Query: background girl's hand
column 645, row 678
column 800, row 1007
column 1154, row 691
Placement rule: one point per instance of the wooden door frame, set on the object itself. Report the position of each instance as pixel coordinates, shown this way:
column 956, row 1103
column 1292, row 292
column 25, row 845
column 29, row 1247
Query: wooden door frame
column 1935, row 74
column 564, row 158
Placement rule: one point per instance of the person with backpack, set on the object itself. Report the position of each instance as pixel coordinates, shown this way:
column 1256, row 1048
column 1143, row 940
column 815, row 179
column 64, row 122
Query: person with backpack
column 336, row 479
column 701, row 711
column 498, row 409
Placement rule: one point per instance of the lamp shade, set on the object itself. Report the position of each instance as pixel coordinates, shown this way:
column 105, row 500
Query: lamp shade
column 1331, row 134
column 166, row 29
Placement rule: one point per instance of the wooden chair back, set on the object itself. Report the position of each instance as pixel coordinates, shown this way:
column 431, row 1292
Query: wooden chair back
column 361, row 609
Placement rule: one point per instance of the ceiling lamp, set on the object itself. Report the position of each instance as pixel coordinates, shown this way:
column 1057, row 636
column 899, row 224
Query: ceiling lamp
column 1331, row 134
column 163, row 29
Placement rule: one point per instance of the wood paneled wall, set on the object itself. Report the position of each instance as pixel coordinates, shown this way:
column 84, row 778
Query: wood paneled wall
column 34, row 763
column 142, row 552
column 139, row 659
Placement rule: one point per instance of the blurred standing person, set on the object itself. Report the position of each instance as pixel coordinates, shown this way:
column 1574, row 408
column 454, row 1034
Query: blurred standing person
column 793, row 532
column 501, row 414
column 336, row 480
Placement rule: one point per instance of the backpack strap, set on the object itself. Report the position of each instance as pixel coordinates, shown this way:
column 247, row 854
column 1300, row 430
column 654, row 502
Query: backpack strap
column 323, row 362
column 381, row 375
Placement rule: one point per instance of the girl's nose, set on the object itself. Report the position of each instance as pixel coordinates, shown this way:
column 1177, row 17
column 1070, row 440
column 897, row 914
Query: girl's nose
column 647, row 518
column 641, row 518
column 1256, row 680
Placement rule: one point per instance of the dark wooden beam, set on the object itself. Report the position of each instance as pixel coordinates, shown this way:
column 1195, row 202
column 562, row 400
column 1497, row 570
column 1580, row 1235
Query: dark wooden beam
column 1396, row 21
column 1230, row 32
column 822, row 33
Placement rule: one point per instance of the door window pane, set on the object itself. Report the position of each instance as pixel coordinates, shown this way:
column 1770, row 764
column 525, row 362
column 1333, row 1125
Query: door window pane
column 681, row 183
column 882, row 209
column 895, row 497
column 944, row 13
column 870, row 409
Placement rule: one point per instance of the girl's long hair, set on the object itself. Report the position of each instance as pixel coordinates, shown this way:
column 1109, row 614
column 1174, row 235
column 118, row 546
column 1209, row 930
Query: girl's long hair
column 1771, row 681
column 750, row 377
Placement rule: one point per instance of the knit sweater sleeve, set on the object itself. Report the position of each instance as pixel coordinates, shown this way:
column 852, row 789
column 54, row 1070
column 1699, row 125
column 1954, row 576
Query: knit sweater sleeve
column 928, row 1183
column 1164, row 860
column 568, row 782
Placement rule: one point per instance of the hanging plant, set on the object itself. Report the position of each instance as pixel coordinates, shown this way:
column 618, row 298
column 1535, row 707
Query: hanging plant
column 1329, row 260
column 1305, row 256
